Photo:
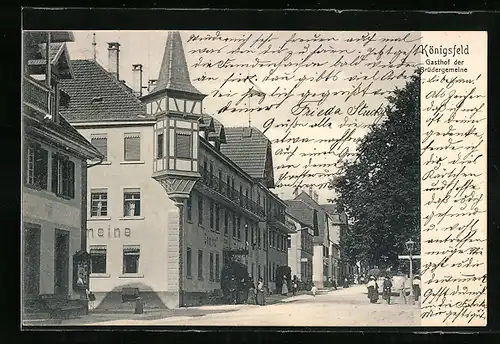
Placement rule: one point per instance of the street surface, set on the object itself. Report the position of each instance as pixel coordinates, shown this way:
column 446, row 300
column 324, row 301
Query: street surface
column 344, row 307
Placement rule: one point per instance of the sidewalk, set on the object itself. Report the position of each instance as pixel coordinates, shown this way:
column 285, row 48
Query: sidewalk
column 99, row 316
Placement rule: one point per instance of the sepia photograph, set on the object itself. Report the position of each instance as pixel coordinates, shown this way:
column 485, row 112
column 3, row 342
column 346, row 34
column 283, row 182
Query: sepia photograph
column 238, row 178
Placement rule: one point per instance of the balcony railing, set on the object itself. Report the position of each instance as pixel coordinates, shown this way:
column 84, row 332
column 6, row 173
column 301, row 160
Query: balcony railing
column 276, row 216
column 226, row 190
column 38, row 96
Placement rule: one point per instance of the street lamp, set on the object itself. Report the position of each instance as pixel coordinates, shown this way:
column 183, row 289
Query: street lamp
column 409, row 246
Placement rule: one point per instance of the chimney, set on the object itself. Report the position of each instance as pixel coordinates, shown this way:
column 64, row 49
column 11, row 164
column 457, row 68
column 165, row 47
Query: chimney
column 315, row 196
column 114, row 59
column 151, row 83
column 137, row 79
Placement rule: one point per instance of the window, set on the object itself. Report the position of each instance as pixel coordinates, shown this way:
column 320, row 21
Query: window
column 131, row 255
column 131, row 202
column 183, row 144
column 315, row 223
column 200, row 264
column 252, row 237
column 246, row 198
column 217, row 267
column 159, row 146
column 258, row 271
column 98, row 259
column 200, row 210
column 100, row 142
column 239, row 227
column 63, row 176
column 36, row 166
column 189, row 213
column 211, row 214
column 253, row 270
column 269, row 272
column 188, row 262
column 217, row 218
column 99, row 203
column 211, row 170
column 132, row 147
column 234, row 225
column 246, row 231
column 211, row 268
column 241, row 195
column 228, row 180
column 258, row 237
column 226, row 222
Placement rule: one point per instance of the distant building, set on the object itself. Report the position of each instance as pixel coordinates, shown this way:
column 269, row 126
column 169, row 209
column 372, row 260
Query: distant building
column 328, row 227
column 300, row 249
column 179, row 195
column 55, row 155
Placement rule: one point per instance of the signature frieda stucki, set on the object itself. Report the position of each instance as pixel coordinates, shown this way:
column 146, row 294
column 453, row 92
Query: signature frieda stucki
column 444, row 51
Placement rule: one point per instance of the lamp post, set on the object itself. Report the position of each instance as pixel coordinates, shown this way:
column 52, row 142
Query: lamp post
column 409, row 246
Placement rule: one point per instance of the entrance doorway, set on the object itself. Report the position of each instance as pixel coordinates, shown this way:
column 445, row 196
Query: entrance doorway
column 61, row 262
column 31, row 260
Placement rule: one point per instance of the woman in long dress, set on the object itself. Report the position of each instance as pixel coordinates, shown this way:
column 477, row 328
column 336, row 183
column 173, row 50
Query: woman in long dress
column 372, row 290
column 284, row 287
column 261, row 299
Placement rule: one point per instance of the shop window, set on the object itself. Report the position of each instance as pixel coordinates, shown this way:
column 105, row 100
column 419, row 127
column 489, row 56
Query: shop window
column 98, row 259
column 131, row 256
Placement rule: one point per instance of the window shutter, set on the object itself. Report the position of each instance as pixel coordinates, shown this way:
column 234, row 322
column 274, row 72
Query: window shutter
column 132, row 147
column 100, row 142
column 71, row 178
column 183, row 145
column 55, row 173
column 41, row 168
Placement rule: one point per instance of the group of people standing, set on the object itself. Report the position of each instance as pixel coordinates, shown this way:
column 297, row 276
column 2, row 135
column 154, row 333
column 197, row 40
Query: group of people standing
column 247, row 292
column 373, row 289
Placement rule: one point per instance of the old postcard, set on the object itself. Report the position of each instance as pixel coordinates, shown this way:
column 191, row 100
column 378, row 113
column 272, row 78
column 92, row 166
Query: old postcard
column 254, row 178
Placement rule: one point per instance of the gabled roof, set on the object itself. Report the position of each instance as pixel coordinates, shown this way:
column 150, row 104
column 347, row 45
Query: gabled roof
column 248, row 151
column 174, row 73
column 216, row 128
column 339, row 218
column 300, row 211
column 96, row 95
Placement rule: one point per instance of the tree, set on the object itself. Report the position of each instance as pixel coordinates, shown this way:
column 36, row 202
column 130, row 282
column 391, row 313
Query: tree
column 380, row 189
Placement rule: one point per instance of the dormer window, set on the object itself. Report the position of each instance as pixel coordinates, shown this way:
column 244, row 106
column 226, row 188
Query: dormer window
column 96, row 100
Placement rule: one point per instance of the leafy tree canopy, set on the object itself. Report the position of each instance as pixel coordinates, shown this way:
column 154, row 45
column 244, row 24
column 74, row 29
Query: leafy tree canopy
column 380, row 190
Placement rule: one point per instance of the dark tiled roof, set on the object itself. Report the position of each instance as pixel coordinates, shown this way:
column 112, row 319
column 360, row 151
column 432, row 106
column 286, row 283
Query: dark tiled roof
column 301, row 211
column 249, row 152
column 95, row 95
column 331, row 209
column 174, row 73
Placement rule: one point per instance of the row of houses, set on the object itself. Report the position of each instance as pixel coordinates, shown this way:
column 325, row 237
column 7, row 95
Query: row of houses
column 146, row 192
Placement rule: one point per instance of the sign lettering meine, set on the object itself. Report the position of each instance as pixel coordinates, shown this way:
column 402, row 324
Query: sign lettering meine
column 111, row 234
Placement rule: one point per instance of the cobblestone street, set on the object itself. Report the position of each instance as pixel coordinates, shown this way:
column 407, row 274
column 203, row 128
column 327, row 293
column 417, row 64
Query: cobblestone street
column 344, row 307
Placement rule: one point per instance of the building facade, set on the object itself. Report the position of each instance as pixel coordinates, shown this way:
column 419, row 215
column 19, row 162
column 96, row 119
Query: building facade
column 175, row 199
column 300, row 250
column 54, row 173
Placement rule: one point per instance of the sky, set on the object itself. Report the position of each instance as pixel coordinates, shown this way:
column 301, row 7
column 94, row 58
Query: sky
column 348, row 61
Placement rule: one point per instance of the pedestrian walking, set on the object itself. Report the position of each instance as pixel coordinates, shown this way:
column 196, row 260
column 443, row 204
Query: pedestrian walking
column 372, row 290
column 284, row 287
column 402, row 290
column 416, row 287
column 252, row 292
column 346, row 283
column 387, row 286
column 233, row 291
column 261, row 299
column 334, row 284
column 294, row 285
column 314, row 290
